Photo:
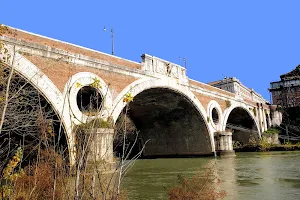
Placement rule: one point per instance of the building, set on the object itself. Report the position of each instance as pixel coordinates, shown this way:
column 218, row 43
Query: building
column 286, row 92
column 235, row 86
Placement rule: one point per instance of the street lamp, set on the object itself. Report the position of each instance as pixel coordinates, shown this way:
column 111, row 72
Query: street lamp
column 112, row 40
column 184, row 60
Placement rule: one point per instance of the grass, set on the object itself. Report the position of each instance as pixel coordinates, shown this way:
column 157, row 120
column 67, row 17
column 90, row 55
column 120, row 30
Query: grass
column 264, row 145
column 37, row 181
column 202, row 186
column 272, row 131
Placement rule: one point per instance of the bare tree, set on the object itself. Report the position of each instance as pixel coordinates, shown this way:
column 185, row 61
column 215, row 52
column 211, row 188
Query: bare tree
column 91, row 170
column 30, row 129
column 27, row 119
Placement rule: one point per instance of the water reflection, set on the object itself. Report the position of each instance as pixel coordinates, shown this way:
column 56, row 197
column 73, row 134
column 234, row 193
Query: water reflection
column 226, row 169
column 270, row 175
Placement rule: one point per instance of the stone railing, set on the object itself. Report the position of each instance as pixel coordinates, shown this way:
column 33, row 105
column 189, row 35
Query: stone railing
column 160, row 67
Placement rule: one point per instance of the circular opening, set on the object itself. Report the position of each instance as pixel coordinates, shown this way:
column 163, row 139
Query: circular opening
column 215, row 115
column 89, row 100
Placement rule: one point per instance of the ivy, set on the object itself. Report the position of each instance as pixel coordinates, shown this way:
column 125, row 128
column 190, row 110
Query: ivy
column 78, row 85
column 272, row 131
column 96, row 83
column 128, row 97
column 10, row 174
column 228, row 103
column 254, row 112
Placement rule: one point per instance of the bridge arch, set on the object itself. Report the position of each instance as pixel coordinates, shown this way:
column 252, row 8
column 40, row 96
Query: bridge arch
column 170, row 87
column 240, row 115
column 46, row 87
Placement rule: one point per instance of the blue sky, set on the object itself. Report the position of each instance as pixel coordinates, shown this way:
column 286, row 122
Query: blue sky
column 253, row 40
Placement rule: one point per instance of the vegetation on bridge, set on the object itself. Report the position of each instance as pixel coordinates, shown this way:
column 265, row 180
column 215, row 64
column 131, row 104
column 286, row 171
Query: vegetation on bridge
column 34, row 154
column 35, row 162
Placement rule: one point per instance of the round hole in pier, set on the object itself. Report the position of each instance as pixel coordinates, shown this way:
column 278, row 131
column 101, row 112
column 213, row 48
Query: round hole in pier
column 89, row 100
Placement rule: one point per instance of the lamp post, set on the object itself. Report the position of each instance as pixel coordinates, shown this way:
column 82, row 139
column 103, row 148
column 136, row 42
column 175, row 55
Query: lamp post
column 112, row 40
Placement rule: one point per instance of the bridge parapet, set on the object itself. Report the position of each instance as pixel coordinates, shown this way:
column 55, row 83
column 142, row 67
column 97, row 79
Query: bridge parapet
column 241, row 92
column 162, row 68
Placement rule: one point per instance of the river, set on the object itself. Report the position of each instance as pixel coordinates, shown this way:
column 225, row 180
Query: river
column 247, row 176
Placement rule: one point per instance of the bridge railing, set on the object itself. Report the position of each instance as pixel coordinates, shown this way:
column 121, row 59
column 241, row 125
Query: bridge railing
column 160, row 67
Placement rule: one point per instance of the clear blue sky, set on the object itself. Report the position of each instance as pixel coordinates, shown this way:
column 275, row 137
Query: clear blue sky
column 253, row 40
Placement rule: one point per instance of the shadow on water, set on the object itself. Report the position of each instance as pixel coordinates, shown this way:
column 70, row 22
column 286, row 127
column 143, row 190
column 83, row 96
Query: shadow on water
column 289, row 182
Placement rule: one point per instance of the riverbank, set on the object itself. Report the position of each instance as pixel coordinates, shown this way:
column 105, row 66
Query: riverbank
column 269, row 147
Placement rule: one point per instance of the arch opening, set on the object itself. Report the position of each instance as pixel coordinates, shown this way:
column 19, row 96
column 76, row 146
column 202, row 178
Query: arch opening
column 215, row 116
column 89, row 100
column 267, row 121
column 170, row 123
column 244, row 129
column 30, row 122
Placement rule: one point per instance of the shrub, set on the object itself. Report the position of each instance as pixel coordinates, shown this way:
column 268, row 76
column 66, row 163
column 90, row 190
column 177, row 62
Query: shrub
column 264, row 144
column 272, row 131
column 228, row 103
column 37, row 179
column 99, row 123
column 237, row 144
column 201, row 186
column 254, row 112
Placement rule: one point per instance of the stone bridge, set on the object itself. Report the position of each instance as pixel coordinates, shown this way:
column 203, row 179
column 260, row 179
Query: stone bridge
column 181, row 116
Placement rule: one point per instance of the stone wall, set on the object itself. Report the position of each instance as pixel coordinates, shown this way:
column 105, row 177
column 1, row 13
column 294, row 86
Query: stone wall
column 101, row 146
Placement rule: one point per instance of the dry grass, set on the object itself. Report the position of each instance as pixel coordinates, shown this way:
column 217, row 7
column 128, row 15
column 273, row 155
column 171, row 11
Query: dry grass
column 202, row 186
column 37, row 182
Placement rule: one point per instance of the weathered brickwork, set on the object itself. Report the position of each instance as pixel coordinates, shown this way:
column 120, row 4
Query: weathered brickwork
column 286, row 92
column 148, row 82
column 204, row 100
column 20, row 35
column 59, row 73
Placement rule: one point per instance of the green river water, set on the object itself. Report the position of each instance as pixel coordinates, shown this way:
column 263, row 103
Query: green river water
column 247, row 176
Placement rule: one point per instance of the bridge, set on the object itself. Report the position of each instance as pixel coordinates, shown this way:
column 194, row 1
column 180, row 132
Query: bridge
column 179, row 115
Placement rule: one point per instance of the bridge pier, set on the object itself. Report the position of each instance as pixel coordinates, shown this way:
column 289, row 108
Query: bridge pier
column 155, row 84
column 101, row 148
column 223, row 143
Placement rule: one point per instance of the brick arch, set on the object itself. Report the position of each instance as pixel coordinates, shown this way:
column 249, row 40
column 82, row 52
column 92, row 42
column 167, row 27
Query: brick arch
column 144, row 84
column 244, row 107
column 47, row 88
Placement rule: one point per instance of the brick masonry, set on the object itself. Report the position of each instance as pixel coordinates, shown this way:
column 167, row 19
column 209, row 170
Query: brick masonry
column 59, row 73
column 59, row 61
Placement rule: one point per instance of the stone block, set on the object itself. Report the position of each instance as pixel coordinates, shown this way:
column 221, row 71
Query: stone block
column 101, row 147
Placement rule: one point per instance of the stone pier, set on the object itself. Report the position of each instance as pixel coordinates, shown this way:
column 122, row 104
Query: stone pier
column 178, row 114
column 223, row 142
column 101, row 147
